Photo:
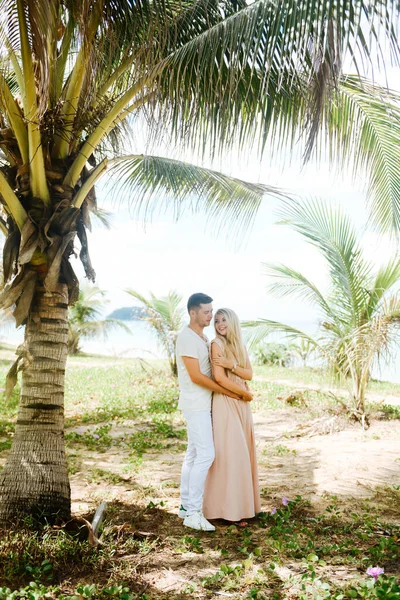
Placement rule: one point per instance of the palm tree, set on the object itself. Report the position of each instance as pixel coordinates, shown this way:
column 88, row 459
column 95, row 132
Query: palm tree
column 84, row 318
column 359, row 317
column 75, row 74
column 303, row 349
column 164, row 316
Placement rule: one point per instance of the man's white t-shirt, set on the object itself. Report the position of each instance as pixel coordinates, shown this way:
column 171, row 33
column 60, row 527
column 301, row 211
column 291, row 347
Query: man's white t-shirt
column 193, row 396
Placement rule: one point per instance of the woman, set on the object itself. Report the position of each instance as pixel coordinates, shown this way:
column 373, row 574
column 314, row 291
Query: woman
column 231, row 491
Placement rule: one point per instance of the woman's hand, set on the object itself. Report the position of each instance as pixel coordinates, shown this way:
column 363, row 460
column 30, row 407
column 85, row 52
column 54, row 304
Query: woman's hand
column 247, row 396
column 221, row 361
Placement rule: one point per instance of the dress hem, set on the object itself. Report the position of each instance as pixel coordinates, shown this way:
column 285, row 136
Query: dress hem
column 226, row 518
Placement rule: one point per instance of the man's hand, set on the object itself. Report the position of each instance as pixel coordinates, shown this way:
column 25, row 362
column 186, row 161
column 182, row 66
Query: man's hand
column 233, row 395
column 247, row 396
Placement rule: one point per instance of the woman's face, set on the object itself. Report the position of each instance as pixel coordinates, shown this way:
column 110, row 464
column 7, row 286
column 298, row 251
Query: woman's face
column 221, row 324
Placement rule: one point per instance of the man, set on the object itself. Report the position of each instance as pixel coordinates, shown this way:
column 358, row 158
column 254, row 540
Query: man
column 196, row 386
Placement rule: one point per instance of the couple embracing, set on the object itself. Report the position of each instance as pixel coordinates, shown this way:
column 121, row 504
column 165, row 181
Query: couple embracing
column 219, row 474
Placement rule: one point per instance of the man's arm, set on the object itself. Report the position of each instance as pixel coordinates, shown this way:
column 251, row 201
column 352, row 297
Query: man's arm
column 193, row 369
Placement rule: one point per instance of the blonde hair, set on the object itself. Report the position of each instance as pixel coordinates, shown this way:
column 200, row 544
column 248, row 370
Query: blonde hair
column 233, row 341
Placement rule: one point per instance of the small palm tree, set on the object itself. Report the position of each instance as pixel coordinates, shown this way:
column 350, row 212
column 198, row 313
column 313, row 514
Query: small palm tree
column 359, row 318
column 84, row 318
column 303, row 349
column 165, row 317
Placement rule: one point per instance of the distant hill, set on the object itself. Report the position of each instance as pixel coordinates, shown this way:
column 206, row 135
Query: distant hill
column 127, row 313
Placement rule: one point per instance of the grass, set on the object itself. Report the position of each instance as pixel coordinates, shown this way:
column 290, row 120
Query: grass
column 122, row 428
column 317, row 376
column 294, row 553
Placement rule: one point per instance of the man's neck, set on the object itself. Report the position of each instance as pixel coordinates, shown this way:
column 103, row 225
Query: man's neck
column 197, row 328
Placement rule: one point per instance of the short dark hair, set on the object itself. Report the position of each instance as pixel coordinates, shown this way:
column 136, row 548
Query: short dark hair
column 196, row 299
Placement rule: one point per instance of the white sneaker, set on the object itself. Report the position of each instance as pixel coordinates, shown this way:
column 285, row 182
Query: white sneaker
column 198, row 521
column 182, row 512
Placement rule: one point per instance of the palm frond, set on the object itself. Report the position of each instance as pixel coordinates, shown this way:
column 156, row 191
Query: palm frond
column 102, row 216
column 235, row 63
column 292, row 282
column 164, row 315
column 363, row 124
column 372, row 342
column 332, row 233
column 170, row 309
column 225, row 73
column 154, row 183
column 90, row 304
column 258, row 330
column 85, row 318
column 162, row 312
column 92, row 329
column 387, row 277
column 13, row 114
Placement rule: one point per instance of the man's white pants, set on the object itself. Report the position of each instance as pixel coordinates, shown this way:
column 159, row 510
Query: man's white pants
column 198, row 459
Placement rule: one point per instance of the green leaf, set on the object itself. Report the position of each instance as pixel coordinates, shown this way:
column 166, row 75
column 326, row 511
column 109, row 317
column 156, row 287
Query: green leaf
column 154, row 183
column 312, row 558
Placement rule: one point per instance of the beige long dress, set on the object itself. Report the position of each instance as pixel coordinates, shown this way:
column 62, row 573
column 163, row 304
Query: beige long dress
column 231, row 490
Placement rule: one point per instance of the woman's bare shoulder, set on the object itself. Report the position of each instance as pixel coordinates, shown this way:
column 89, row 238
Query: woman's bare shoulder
column 219, row 342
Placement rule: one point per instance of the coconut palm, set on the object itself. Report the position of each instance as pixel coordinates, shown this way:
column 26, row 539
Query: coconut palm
column 303, row 349
column 76, row 74
column 359, row 316
column 164, row 315
column 84, row 318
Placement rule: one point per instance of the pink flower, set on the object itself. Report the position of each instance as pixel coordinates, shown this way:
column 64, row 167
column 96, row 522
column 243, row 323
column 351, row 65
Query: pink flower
column 273, row 510
column 285, row 501
column 96, row 436
column 112, row 386
column 2, row 390
column 375, row 572
column 89, row 377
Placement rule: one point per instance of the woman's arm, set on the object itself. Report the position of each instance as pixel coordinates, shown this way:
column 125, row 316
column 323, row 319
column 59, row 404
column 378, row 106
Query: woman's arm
column 226, row 363
column 222, row 379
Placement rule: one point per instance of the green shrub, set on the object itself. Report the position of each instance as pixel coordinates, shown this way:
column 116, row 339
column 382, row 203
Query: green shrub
column 273, row 353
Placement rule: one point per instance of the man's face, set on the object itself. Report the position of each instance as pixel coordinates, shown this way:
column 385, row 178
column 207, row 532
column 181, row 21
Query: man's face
column 203, row 315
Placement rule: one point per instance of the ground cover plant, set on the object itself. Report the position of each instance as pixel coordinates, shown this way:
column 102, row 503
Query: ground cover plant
column 125, row 441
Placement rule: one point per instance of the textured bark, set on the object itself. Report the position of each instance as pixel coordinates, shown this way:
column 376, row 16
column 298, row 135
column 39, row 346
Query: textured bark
column 35, row 478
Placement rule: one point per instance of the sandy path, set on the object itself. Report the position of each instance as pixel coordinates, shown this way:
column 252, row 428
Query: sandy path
column 346, row 463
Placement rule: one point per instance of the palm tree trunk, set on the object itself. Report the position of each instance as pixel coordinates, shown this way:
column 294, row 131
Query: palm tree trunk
column 360, row 385
column 174, row 367
column 35, row 477
column 360, row 402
